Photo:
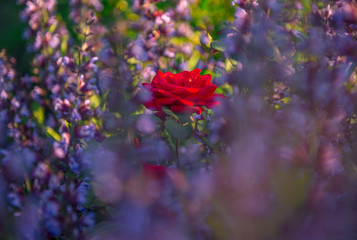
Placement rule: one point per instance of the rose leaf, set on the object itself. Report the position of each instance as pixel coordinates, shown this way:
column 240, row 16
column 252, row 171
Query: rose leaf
column 218, row 45
column 176, row 130
column 184, row 117
column 169, row 112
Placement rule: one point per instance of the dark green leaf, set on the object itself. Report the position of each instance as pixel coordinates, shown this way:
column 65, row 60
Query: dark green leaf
column 169, row 112
column 38, row 112
column 184, row 117
column 218, row 45
column 176, row 130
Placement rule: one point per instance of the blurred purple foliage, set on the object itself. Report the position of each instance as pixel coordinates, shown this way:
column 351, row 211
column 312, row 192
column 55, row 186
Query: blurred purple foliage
column 81, row 158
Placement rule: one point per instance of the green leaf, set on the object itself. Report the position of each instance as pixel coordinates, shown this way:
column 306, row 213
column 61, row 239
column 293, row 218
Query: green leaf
column 169, row 112
column 204, row 114
column 95, row 100
column 38, row 113
column 290, row 186
column 230, row 64
column 202, row 125
column 53, row 134
column 178, row 131
column 192, row 62
column 208, row 143
column 306, row 6
column 184, row 117
column 225, row 89
column 218, row 45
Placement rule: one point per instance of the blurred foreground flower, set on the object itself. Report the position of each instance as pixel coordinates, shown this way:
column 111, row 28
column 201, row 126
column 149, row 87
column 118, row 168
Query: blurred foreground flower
column 184, row 92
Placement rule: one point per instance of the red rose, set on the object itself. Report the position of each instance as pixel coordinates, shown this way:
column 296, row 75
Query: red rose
column 163, row 174
column 156, row 172
column 184, row 92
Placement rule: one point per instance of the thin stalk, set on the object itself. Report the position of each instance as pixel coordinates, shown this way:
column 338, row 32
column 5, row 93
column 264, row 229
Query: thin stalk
column 195, row 125
column 80, row 56
column 177, row 154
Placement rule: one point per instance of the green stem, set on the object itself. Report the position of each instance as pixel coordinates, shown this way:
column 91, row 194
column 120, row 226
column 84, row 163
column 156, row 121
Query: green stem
column 177, row 154
column 195, row 126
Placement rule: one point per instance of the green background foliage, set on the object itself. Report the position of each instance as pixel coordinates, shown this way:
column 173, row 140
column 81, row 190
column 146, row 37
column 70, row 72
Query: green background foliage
column 206, row 15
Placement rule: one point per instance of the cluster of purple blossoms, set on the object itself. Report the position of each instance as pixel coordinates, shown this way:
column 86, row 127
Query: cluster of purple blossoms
column 45, row 166
column 80, row 8
column 43, row 25
column 308, row 80
column 154, row 47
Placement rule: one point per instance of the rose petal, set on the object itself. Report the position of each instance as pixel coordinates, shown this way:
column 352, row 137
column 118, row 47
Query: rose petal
column 186, row 109
column 170, row 77
column 181, row 79
column 165, row 101
column 185, row 92
column 185, row 74
column 213, row 101
column 215, row 97
column 167, row 86
column 190, row 77
column 165, row 98
column 159, row 77
column 203, row 93
column 184, row 102
column 160, row 114
column 202, row 81
column 157, row 172
column 195, row 73
column 148, row 87
column 212, row 104
column 159, row 93
column 174, row 88
column 151, row 105
column 219, row 96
